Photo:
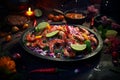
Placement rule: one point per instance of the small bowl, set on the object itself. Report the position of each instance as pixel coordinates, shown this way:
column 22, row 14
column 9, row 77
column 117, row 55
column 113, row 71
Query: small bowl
column 75, row 16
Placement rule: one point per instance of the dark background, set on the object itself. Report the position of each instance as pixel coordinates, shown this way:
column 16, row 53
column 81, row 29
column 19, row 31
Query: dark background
column 111, row 10
column 87, row 71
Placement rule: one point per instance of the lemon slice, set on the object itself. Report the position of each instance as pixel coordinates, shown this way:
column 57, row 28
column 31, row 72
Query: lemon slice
column 41, row 26
column 51, row 34
column 78, row 47
column 38, row 12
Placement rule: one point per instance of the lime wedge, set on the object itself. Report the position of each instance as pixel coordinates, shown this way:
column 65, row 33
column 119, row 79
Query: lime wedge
column 38, row 12
column 41, row 26
column 78, row 47
column 51, row 34
column 111, row 33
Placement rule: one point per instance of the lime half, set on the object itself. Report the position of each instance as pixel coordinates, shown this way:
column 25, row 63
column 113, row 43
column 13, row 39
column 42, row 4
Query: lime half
column 41, row 26
column 78, row 47
column 38, row 12
column 111, row 33
column 51, row 34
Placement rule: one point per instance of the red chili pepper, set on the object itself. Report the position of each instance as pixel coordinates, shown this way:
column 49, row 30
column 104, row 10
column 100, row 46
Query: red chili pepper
column 44, row 70
column 35, row 23
column 68, row 31
column 92, row 23
column 115, row 54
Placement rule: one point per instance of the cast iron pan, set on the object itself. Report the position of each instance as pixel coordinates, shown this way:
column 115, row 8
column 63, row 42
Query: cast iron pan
column 96, row 51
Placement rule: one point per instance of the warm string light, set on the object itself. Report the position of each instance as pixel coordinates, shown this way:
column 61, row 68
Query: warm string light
column 29, row 12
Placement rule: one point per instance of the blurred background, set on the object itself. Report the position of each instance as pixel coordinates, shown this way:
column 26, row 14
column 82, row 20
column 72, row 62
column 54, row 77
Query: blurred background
column 107, row 7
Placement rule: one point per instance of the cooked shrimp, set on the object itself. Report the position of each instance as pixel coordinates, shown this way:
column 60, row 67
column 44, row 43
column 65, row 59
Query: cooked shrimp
column 63, row 35
column 40, row 43
column 52, row 29
column 30, row 37
column 68, row 53
column 70, row 36
column 92, row 38
column 53, row 42
column 79, row 37
column 84, row 31
column 44, row 32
